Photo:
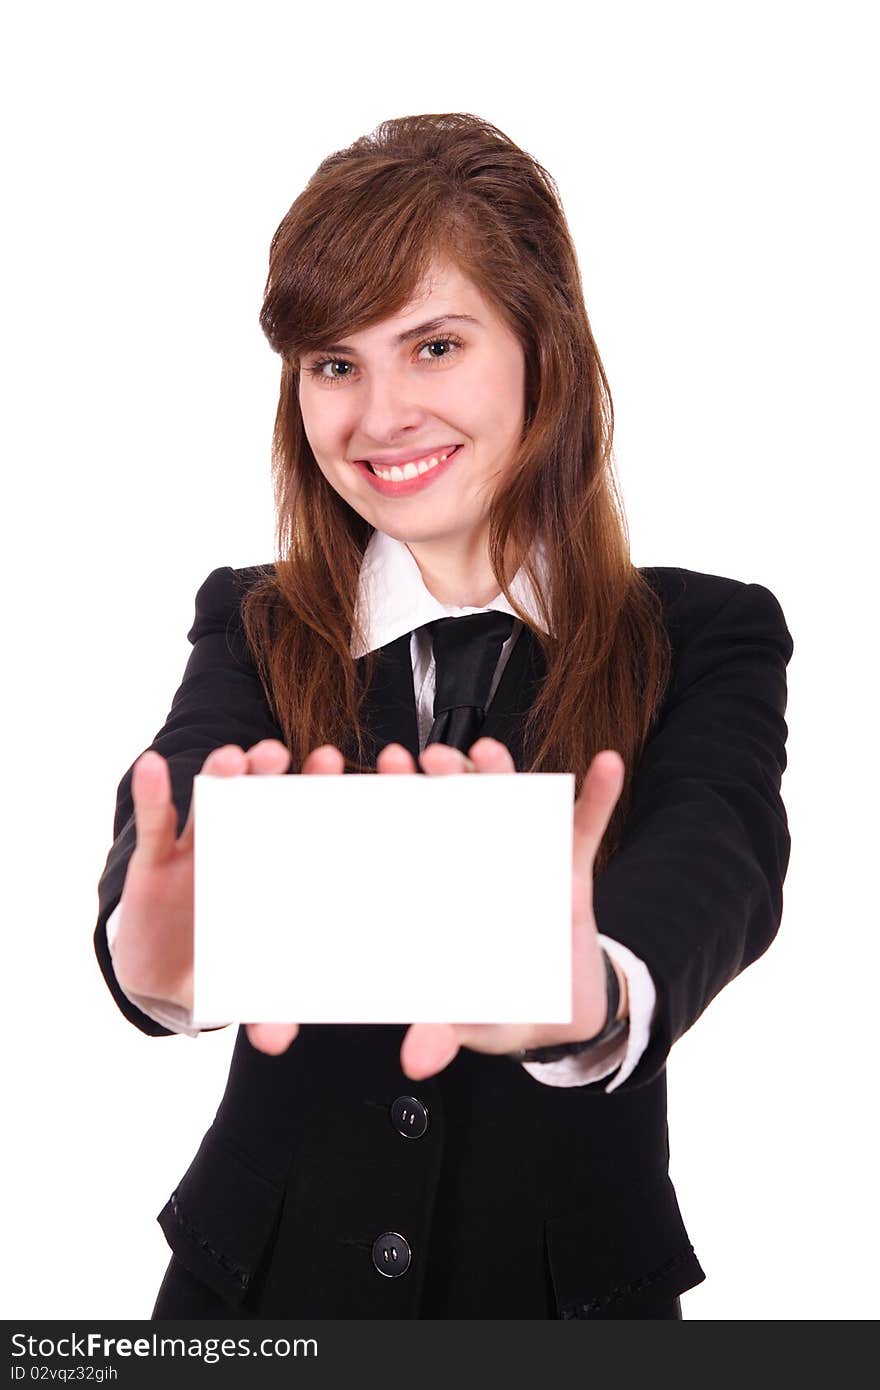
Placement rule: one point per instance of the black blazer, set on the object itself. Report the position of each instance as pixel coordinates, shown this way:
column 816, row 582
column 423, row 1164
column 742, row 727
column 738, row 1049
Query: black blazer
column 520, row 1199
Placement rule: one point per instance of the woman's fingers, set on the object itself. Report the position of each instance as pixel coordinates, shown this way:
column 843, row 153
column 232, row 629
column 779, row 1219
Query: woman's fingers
column 485, row 755
column 325, row 760
column 439, row 760
column 269, row 756
column 594, row 807
column 273, row 1038
column 427, row 1048
column 490, row 755
column 395, row 759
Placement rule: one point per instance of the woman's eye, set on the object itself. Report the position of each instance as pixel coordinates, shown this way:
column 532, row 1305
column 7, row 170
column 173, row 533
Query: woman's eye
column 446, row 343
column 325, row 368
column 319, row 370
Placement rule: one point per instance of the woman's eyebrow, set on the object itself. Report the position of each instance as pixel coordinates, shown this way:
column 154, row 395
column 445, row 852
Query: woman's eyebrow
column 416, row 332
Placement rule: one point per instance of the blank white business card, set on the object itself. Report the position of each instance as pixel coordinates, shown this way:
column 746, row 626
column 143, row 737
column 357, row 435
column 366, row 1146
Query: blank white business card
column 383, row 899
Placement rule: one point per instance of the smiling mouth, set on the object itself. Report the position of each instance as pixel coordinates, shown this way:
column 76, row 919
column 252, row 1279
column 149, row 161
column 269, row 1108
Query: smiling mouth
column 401, row 473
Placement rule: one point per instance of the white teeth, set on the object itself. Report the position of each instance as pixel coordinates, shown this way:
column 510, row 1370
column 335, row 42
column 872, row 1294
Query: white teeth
column 396, row 474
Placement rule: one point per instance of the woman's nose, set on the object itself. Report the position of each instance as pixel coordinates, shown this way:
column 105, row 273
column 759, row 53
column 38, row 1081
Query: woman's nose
column 388, row 406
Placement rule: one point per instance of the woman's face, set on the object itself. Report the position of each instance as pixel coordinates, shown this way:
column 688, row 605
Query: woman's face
column 445, row 374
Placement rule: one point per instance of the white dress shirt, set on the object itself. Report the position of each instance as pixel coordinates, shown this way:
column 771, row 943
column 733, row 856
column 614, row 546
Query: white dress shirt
column 393, row 599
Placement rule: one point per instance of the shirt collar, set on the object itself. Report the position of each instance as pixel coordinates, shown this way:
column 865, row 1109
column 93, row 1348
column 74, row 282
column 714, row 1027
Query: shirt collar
column 392, row 597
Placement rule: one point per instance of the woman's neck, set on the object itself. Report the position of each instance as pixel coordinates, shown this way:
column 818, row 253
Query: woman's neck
column 461, row 577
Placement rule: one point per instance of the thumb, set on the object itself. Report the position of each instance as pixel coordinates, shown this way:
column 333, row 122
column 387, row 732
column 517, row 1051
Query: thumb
column 155, row 817
column 595, row 806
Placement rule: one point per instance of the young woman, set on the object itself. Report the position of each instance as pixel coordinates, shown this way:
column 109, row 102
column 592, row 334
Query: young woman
column 443, row 452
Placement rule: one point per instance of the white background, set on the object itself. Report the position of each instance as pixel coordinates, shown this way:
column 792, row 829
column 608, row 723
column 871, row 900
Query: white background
column 717, row 167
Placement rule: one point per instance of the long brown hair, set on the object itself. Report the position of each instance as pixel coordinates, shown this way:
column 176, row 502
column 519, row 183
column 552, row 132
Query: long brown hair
column 354, row 249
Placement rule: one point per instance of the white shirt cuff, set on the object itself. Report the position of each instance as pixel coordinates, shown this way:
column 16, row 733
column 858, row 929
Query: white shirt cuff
column 620, row 1056
column 171, row 1016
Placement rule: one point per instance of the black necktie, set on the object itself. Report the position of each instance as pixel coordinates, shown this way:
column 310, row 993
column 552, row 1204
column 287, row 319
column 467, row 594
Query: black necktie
column 466, row 652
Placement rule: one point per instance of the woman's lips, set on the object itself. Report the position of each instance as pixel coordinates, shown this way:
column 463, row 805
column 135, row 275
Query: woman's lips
column 406, row 486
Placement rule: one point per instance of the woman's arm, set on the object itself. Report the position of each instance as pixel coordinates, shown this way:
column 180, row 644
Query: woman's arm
column 695, row 888
column 219, row 701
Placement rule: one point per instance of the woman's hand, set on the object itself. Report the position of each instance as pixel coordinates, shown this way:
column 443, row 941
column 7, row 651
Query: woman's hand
column 153, row 949
column 429, row 1047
